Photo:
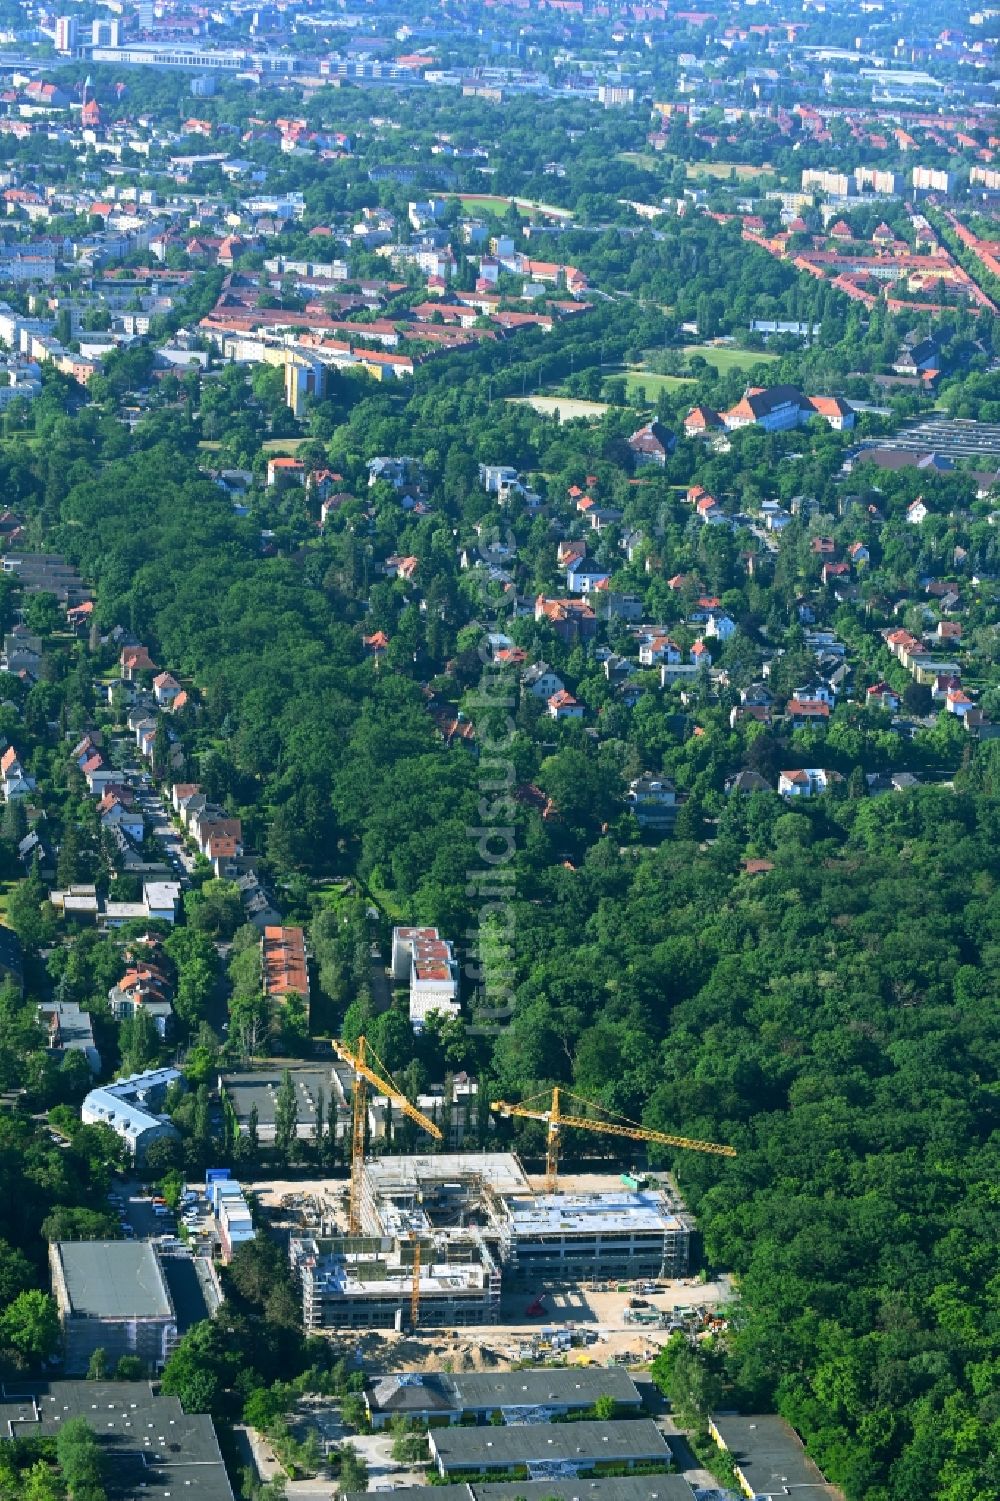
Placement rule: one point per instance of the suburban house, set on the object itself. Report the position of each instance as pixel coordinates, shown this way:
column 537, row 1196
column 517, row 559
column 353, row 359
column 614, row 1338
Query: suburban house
column 679, row 672
column 881, row 696
column 709, row 510
column 540, row 681
column 563, row 705
column 747, row 782
column 16, row 781
column 583, row 576
column 701, row 421
column 133, row 660
column 655, row 650
column 806, row 783
column 720, row 626
column 115, row 811
column 145, row 986
column 652, row 444
column 801, row 713
column 285, row 471
column 572, row 619
column 653, row 800
column 165, row 689
column 69, row 1030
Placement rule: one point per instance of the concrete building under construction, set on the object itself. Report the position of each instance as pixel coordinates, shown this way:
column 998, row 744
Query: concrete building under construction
column 602, row 1232
column 367, row 1282
column 478, row 1222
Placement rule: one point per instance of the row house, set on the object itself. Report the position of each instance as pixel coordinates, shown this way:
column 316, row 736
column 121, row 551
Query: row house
column 284, row 965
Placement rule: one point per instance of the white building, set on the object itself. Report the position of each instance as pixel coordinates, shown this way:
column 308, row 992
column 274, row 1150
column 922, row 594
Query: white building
column 132, row 1108
column 66, row 31
column 428, row 961
column 809, row 782
column 653, row 801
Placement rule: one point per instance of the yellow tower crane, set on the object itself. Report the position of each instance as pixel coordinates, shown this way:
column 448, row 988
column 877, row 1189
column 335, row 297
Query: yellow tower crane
column 364, row 1074
column 555, row 1119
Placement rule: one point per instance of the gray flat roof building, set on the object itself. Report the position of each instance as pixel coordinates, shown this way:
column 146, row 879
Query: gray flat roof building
column 479, row 1394
column 148, row 1442
column 247, row 1089
column 535, row 1448
column 769, row 1457
column 112, row 1295
column 658, row 1487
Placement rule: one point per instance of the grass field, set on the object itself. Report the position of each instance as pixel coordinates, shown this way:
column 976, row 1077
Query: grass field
column 568, row 407
column 495, row 203
column 725, row 359
column 284, row 445
column 637, row 379
column 641, row 159
column 723, row 170
column 487, row 204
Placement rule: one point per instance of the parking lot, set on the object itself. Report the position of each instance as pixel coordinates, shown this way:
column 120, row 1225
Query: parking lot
column 186, row 1264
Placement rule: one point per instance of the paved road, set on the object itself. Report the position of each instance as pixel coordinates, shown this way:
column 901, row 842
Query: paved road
column 160, row 819
column 656, row 1404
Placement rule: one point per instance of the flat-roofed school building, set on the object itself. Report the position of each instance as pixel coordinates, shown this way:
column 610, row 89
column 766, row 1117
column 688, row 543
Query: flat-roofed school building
column 655, row 1487
column 112, row 1296
column 535, row 1449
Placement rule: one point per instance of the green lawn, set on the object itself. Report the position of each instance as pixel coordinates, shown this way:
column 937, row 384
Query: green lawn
column 648, row 380
column 725, row 358
column 645, row 159
column 489, row 203
column 722, row 170
column 283, row 445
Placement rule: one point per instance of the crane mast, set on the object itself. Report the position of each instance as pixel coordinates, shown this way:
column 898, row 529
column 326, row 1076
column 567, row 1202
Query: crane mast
column 364, row 1075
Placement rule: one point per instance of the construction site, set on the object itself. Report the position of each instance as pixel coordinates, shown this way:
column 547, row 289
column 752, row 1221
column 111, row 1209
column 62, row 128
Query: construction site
column 460, row 1228
column 436, row 1241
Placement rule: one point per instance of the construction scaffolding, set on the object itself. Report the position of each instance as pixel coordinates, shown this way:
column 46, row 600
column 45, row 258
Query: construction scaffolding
column 367, row 1282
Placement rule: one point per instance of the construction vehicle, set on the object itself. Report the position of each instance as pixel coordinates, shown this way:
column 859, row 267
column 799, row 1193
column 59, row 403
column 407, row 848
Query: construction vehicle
column 365, row 1074
column 555, row 1119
